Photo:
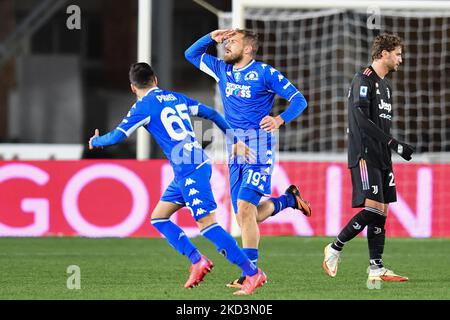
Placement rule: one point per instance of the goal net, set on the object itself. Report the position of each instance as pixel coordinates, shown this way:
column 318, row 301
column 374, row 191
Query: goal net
column 320, row 50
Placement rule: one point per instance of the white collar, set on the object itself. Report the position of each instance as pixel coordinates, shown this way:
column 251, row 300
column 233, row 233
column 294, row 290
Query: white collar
column 243, row 68
column 152, row 89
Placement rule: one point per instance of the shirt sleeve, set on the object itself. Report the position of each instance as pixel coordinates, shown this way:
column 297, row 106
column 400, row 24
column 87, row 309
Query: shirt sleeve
column 361, row 91
column 196, row 54
column 369, row 127
column 138, row 116
column 279, row 84
column 109, row 139
column 198, row 109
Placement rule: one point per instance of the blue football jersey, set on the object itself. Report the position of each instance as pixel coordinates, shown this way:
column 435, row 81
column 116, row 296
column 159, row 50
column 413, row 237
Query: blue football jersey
column 165, row 115
column 248, row 93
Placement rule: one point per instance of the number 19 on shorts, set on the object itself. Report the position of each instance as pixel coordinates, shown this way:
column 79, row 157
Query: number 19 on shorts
column 253, row 178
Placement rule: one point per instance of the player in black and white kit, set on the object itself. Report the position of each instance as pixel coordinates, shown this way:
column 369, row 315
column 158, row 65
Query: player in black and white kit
column 369, row 157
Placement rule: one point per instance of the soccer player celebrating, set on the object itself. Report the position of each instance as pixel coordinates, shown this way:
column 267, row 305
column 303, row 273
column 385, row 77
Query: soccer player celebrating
column 369, row 157
column 248, row 90
column 165, row 115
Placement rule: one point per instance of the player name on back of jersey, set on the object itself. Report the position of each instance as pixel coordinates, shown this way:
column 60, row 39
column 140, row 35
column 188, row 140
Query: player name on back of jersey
column 166, row 97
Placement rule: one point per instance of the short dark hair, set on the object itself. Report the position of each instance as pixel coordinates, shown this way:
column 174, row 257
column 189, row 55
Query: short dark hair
column 251, row 38
column 385, row 41
column 142, row 75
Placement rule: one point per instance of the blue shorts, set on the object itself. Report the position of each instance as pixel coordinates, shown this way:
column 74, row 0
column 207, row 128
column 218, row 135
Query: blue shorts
column 250, row 182
column 194, row 192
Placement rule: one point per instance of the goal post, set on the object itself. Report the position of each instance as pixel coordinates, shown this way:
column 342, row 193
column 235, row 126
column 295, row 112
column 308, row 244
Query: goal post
column 319, row 45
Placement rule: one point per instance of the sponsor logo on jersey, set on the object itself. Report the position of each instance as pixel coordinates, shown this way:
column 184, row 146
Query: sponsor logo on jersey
column 237, row 76
column 238, row 90
column 251, row 76
column 363, row 92
column 166, row 97
column 385, row 106
column 388, row 93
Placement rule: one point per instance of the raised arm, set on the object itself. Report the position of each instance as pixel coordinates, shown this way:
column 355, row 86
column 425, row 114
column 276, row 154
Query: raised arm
column 196, row 54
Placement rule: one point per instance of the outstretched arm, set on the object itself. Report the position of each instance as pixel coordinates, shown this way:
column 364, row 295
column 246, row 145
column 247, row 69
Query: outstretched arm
column 137, row 116
column 109, row 139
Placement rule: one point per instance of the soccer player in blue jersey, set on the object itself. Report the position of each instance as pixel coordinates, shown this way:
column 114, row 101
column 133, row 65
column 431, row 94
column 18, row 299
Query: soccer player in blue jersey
column 248, row 90
column 165, row 115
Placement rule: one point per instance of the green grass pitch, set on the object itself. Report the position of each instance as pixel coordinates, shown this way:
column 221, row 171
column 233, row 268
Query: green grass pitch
column 151, row 269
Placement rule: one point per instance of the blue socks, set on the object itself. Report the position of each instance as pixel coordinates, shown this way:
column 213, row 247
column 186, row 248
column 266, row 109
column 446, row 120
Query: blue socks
column 252, row 255
column 228, row 247
column 225, row 244
column 177, row 239
column 287, row 200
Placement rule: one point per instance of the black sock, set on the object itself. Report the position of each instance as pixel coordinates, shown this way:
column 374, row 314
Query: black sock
column 376, row 236
column 354, row 227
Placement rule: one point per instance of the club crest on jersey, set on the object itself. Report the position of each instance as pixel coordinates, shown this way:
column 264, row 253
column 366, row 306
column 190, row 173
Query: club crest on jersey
column 237, row 76
column 251, row 76
column 363, row 92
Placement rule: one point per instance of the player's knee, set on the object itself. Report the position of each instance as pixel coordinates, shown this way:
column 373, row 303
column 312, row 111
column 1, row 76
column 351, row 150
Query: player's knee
column 160, row 215
column 246, row 211
column 239, row 220
column 206, row 221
